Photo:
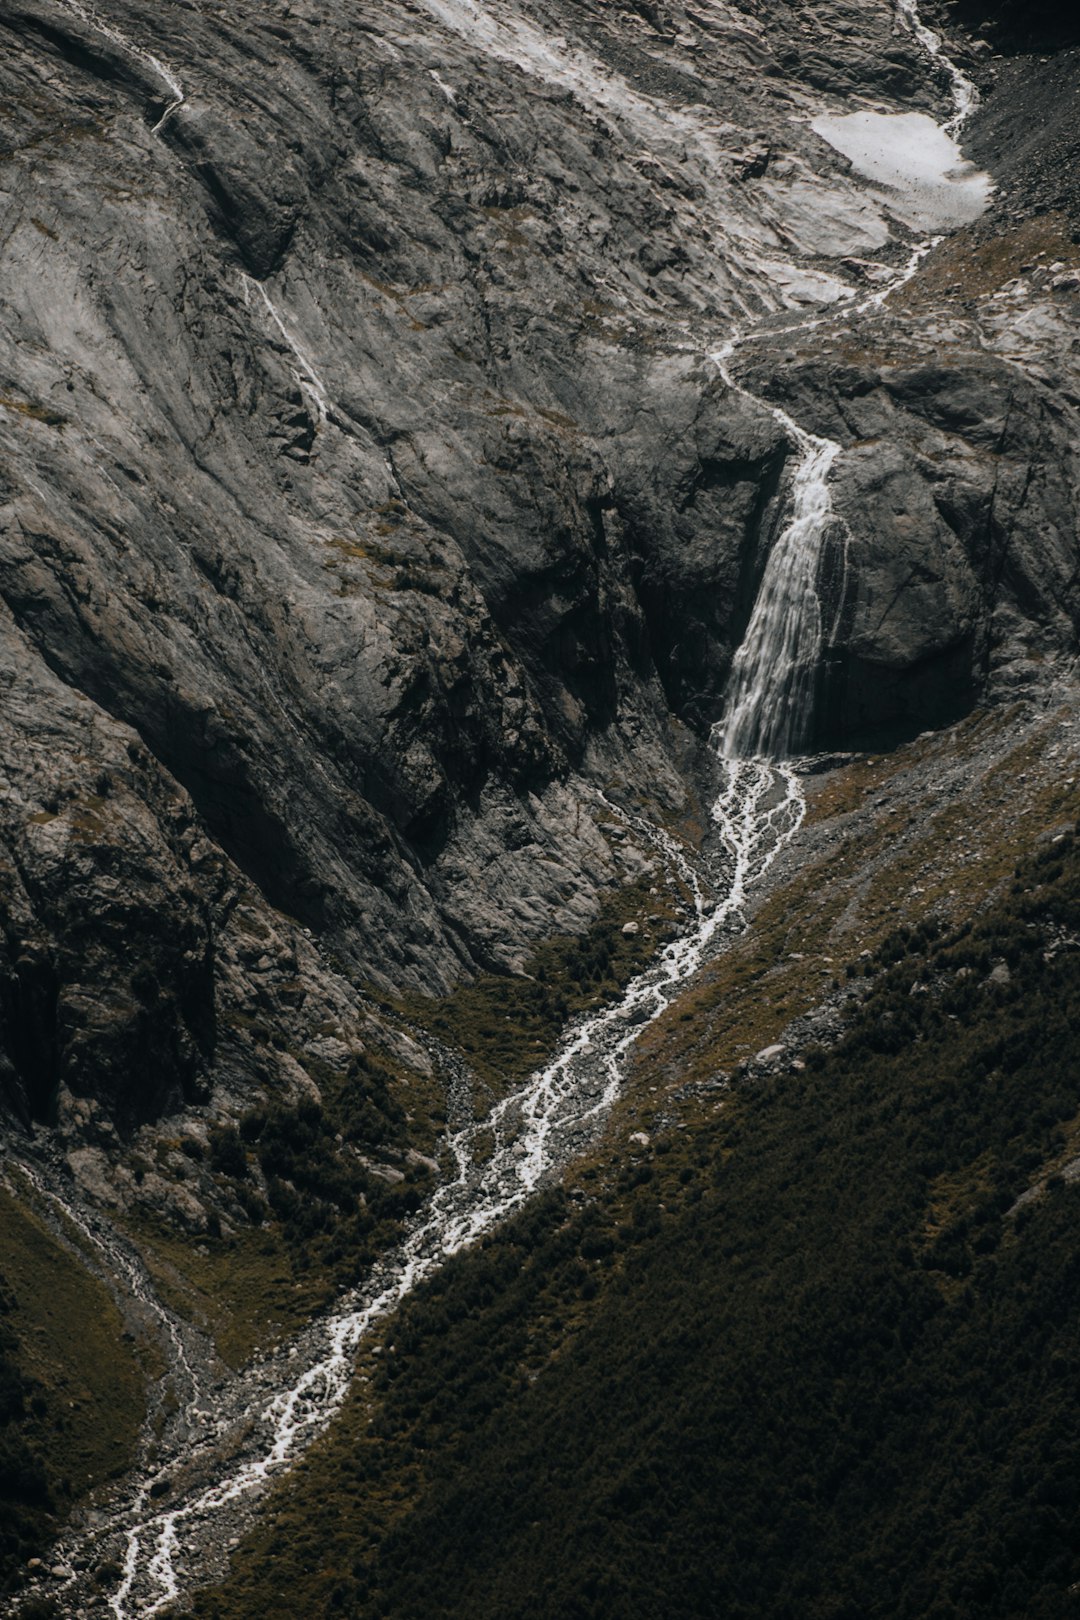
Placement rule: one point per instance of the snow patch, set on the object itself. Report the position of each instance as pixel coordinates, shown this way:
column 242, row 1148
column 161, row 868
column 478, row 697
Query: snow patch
column 932, row 185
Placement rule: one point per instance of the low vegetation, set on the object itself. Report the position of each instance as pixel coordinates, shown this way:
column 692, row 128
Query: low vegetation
column 506, row 1025
column 817, row 1357
column 71, row 1385
column 320, row 1188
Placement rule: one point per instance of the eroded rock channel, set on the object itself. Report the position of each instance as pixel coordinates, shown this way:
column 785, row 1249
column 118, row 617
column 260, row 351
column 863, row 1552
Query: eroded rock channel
column 459, row 461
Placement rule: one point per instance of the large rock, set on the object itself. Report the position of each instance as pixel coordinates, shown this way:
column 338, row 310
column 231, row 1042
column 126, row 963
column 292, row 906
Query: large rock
column 369, row 496
column 952, row 568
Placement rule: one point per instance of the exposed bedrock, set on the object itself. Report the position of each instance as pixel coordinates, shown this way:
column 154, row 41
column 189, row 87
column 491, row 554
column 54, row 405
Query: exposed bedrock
column 106, row 944
column 368, row 498
column 952, row 569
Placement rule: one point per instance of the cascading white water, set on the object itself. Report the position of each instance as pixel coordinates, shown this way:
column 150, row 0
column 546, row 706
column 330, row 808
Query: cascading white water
column 160, row 69
column 307, row 378
column 770, row 694
column 964, row 92
column 769, row 700
column 283, row 1403
column 287, row 1399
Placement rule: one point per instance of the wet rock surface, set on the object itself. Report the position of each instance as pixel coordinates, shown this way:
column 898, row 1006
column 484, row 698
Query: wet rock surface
column 371, row 498
column 364, row 468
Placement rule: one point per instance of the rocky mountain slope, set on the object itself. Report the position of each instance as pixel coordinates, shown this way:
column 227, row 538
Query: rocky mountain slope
column 370, row 496
column 400, row 405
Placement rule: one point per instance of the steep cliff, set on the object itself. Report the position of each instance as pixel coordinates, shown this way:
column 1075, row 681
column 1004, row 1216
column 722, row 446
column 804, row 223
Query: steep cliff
column 403, row 406
column 370, row 497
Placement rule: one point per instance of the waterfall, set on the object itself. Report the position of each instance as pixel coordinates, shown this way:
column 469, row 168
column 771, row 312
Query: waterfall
column 769, row 697
column 768, row 704
column 159, row 69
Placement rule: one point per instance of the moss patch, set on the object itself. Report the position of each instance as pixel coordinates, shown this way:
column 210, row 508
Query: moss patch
column 970, row 264
column 36, row 413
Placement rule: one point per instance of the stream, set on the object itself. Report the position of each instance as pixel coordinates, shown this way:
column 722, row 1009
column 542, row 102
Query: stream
column 236, row 1434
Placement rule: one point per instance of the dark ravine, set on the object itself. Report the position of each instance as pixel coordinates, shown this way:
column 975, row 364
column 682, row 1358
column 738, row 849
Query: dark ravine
column 377, row 533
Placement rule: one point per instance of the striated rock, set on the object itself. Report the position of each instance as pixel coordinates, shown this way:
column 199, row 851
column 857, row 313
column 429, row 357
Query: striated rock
column 368, row 497
column 954, row 558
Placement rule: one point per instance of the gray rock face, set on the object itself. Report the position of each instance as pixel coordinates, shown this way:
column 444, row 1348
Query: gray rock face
column 106, row 951
column 952, row 571
column 368, row 498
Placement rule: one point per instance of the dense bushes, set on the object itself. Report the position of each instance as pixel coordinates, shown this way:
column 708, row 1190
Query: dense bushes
column 817, row 1363
column 333, row 1209
column 311, row 1193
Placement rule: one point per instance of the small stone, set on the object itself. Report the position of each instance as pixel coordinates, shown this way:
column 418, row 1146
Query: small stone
column 769, row 1054
column 422, row 1159
column 630, row 929
column 640, row 1138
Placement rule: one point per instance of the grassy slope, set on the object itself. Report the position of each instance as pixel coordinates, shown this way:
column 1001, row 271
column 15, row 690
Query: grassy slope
column 506, row 1026
column 316, row 1217
column 319, row 1214
column 800, row 1361
column 879, row 865
column 71, row 1385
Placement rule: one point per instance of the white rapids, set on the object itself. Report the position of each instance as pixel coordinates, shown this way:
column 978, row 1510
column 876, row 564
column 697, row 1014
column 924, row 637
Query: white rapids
column 285, row 1400
column 230, row 1448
